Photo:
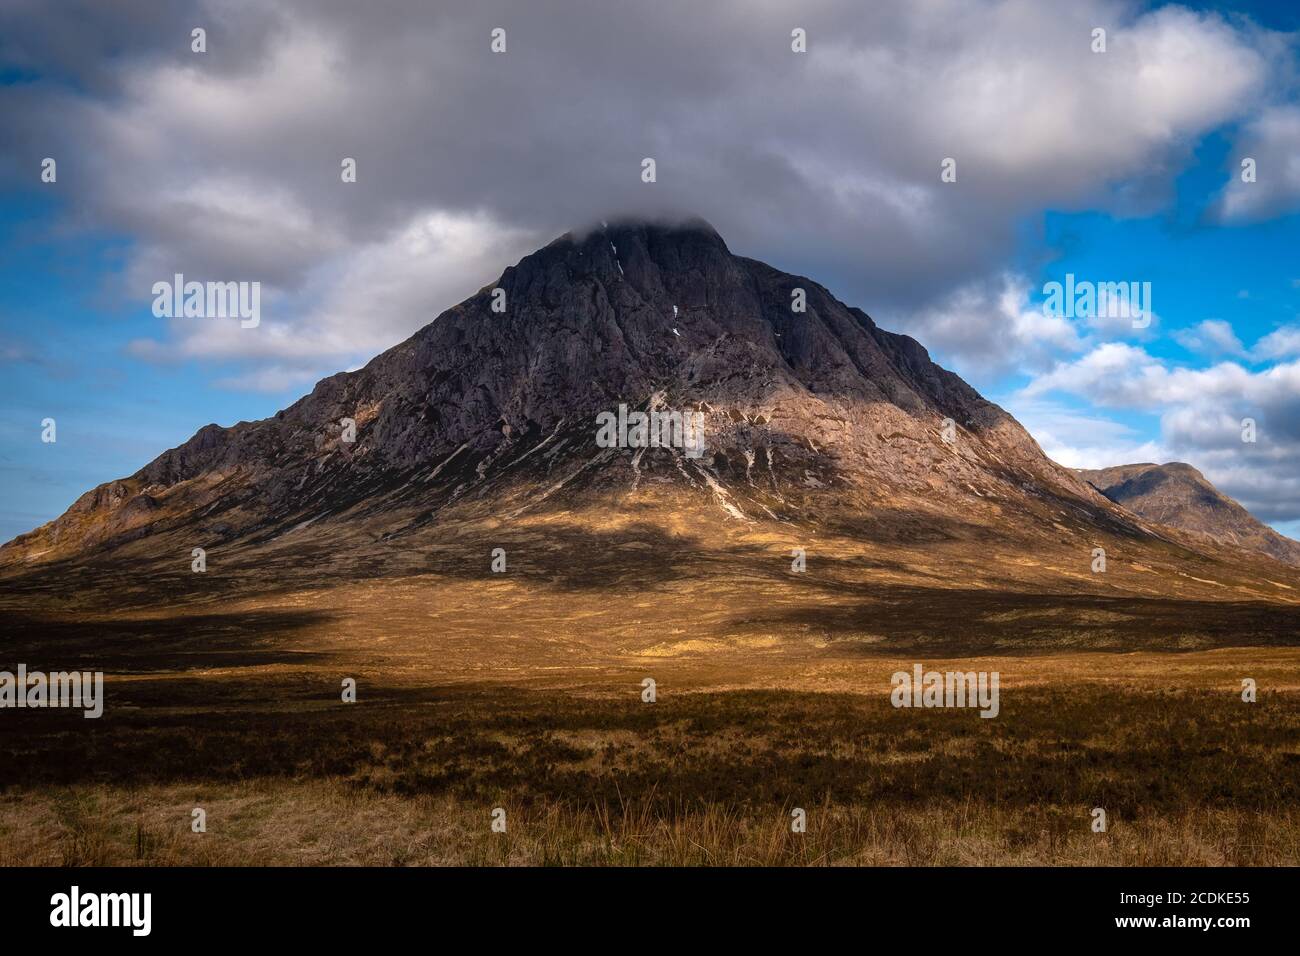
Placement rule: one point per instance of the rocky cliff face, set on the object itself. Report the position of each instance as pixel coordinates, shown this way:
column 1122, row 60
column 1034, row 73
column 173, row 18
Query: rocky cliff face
column 802, row 412
column 1178, row 495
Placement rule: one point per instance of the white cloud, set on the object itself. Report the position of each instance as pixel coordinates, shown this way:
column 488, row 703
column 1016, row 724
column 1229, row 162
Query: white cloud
column 364, row 300
column 1272, row 140
column 989, row 328
column 1119, row 375
column 1280, row 343
column 1079, row 439
column 1202, row 413
column 1212, row 337
column 272, row 378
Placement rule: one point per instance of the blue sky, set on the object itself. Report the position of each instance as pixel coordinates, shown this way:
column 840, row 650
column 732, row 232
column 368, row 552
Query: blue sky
column 1244, row 275
column 224, row 165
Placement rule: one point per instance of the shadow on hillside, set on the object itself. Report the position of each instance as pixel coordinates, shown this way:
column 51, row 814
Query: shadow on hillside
column 562, row 555
column 845, row 595
column 179, row 642
column 990, row 622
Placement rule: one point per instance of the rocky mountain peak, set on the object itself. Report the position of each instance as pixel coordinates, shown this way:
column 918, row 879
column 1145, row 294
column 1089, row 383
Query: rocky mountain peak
column 806, row 406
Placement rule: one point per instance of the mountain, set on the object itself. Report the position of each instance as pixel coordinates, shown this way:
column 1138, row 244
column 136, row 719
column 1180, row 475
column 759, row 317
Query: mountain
column 484, row 429
column 498, row 410
column 1178, row 495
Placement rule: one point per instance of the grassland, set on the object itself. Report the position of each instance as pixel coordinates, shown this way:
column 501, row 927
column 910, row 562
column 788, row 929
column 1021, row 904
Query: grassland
column 523, row 691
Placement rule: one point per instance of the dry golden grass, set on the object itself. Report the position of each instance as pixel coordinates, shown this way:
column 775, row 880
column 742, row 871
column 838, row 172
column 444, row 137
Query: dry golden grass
column 707, row 777
column 523, row 691
column 283, row 823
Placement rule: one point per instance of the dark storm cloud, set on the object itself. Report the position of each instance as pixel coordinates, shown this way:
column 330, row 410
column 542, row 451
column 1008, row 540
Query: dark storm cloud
column 826, row 163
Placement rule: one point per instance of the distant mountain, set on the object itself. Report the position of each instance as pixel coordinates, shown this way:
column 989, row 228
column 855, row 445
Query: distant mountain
column 1178, row 495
